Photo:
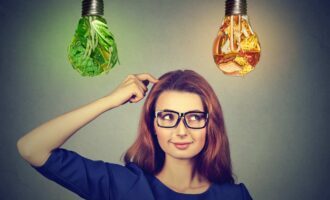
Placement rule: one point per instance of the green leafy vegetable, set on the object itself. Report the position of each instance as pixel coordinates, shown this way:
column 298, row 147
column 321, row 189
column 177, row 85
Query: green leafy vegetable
column 93, row 50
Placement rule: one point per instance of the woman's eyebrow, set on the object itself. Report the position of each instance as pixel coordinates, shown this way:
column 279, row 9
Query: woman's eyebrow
column 196, row 110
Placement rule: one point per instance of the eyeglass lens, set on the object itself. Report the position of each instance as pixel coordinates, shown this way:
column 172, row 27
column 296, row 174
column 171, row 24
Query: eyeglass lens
column 170, row 119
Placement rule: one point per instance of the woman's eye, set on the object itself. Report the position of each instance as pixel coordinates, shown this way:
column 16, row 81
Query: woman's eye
column 167, row 117
column 195, row 117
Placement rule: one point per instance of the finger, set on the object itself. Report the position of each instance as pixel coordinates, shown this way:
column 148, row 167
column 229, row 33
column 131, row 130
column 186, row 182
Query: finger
column 138, row 85
column 138, row 91
column 141, row 85
column 147, row 77
column 137, row 97
column 129, row 77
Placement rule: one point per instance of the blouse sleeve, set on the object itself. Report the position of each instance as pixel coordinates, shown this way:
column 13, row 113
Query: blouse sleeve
column 87, row 178
column 245, row 192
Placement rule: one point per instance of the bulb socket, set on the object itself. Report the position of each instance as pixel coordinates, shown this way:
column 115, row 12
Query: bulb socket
column 236, row 7
column 92, row 7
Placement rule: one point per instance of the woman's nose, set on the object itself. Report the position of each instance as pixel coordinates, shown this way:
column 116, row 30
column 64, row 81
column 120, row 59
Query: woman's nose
column 181, row 128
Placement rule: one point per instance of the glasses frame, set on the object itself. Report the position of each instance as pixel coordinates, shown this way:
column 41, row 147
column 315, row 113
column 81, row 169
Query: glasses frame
column 181, row 115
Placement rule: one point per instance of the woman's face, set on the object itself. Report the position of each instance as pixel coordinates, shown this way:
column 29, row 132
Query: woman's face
column 180, row 142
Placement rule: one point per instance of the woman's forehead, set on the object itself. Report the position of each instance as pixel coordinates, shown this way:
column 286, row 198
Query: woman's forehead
column 179, row 101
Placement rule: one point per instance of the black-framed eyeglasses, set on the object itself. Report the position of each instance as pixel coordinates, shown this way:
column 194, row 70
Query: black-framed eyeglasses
column 191, row 119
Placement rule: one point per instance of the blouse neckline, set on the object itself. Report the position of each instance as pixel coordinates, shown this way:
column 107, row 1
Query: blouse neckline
column 165, row 187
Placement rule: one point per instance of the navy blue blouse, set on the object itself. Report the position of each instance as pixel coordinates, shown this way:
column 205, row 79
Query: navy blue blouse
column 101, row 180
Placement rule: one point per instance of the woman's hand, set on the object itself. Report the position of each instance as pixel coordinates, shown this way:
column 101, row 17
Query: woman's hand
column 132, row 89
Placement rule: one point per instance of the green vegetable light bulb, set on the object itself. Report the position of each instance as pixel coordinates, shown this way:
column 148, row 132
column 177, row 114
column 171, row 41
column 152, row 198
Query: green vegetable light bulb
column 93, row 49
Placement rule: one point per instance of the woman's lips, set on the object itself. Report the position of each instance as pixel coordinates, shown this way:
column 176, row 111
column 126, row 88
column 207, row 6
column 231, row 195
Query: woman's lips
column 182, row 146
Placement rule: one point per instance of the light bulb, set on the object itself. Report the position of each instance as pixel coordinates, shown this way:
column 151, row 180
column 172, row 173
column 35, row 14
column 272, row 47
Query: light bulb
column 93, row 50
column 236, row 49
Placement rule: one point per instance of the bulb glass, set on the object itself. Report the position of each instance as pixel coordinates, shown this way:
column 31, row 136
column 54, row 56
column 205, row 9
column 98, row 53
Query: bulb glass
column 236, row 49
column 93, row 50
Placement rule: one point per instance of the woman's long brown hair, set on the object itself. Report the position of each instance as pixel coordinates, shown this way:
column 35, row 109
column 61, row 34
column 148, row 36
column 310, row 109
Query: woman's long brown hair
column 213, row 162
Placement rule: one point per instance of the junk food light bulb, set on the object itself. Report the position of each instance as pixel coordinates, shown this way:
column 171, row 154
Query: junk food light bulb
column 236, row 49
column 93, row 50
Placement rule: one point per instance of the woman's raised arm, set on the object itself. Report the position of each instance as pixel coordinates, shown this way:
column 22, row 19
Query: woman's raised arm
column 36, row 146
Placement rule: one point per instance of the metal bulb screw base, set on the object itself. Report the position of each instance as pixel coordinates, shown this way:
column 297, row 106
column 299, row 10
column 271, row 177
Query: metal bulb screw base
column 92, row 7
column 236, row 7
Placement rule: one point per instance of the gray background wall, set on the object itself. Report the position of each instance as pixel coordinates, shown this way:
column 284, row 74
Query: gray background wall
column 277, row 117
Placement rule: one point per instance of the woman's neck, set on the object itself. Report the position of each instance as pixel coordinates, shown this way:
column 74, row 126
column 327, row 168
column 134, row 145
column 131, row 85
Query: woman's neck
column 178, row 175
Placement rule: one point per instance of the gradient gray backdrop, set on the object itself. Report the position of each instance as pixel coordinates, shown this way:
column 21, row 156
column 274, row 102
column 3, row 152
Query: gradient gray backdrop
column 277, row 117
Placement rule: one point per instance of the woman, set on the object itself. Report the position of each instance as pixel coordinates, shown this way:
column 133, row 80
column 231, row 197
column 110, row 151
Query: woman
column 181, row 152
